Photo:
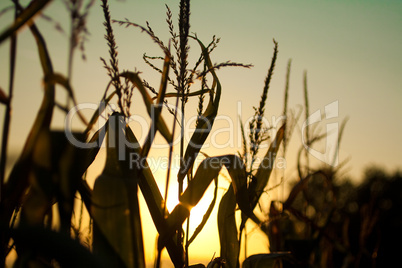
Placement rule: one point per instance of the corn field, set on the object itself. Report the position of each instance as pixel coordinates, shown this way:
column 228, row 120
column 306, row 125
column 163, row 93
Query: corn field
column 48, row 180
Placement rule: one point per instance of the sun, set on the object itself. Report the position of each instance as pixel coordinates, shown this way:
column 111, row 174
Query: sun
column 197, row 212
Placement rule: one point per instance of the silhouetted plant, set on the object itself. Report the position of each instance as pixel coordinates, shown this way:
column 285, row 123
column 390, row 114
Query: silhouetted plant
column 51, row 171
column 322, row 222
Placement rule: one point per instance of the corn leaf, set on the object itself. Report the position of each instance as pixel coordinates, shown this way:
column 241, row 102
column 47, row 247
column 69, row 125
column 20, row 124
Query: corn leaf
column 153, row 198
column 115, row 210
column 38, row 200
column 56, row 173
column 18, row 178
column 71, row 164
column 265, row 168
column 228, row 234
column 55, row 78
column 207, row 119
column 261, row 178
column 191, row 94
column 206, row 215
column 94, row 145
column 207, row 171
column 161, row 125
column 300, row 186
column 157, row 110
column 102, row 106
column 87, row 156
column 27, row 14
column 3, row 97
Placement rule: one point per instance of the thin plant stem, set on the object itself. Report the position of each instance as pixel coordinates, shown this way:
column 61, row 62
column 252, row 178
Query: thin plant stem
column 170, row 158
column 184, row 27
column 255, row 126
column 285, row 113
column 181, row 145
column 81, row 210
column 158, row 259
column 307, row 113
column 165, row 212
column 183, row 49
column 285, row 105
column 245, row 241
column 187, row 244
column 73, row 11
column 114, row 69
column 7, row 115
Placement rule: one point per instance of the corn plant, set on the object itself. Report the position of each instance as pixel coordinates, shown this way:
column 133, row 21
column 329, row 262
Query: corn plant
column 50, row 172
column 302, row 222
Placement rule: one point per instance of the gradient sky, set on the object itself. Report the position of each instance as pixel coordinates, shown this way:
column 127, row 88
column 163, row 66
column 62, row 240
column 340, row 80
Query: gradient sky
column 351, row 50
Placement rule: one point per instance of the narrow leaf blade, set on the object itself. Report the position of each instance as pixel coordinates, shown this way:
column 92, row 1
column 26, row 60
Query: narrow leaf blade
column 228, row 234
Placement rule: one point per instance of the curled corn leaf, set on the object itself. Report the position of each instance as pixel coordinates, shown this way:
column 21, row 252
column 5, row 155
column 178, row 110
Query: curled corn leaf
column 161, row 125
column 156, row 111
column 18, row 178
column 55, row 78
column 207, row 171
column 207, row 119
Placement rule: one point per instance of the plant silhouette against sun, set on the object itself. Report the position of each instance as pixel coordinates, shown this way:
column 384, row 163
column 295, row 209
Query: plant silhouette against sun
column 51, row 172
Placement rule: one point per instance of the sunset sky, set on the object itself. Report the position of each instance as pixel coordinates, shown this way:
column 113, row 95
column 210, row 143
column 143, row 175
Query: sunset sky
column 351, row 50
